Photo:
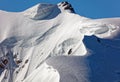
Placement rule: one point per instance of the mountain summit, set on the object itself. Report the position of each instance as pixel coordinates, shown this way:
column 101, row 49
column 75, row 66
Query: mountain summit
column 45, row 43
column 42, row 11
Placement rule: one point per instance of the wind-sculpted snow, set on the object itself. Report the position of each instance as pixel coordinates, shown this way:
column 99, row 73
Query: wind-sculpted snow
column 45, row 43
column 93, row 27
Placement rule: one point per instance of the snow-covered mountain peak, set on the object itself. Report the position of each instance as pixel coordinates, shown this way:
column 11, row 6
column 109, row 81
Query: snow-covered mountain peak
column 39, row 11
column 29, row 38
column 43, row 10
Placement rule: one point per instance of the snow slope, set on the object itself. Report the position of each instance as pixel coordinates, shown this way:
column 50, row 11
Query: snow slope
column 45, row 43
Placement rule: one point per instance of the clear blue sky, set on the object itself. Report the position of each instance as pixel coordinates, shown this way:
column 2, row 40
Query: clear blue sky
column 88, row 8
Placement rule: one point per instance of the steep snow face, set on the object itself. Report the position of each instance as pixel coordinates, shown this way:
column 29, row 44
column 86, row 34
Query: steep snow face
column 30, row 37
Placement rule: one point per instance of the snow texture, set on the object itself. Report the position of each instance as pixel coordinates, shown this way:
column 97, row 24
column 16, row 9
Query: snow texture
column 47, row 43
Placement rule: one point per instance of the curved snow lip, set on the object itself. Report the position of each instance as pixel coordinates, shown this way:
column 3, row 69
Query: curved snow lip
column 113, row 30
column 107, row 28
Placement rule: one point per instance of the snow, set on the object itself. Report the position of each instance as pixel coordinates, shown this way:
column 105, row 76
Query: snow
column 93, row 27
column 49, row 42
column 41, row 11
column 71, row 68
column 44, row 73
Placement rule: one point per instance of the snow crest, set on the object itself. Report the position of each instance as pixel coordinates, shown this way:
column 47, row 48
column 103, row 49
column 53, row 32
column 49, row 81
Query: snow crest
column 40, row 11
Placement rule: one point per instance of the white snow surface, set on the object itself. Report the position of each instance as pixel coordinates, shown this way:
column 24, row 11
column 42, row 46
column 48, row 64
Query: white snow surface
column 48, row 41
